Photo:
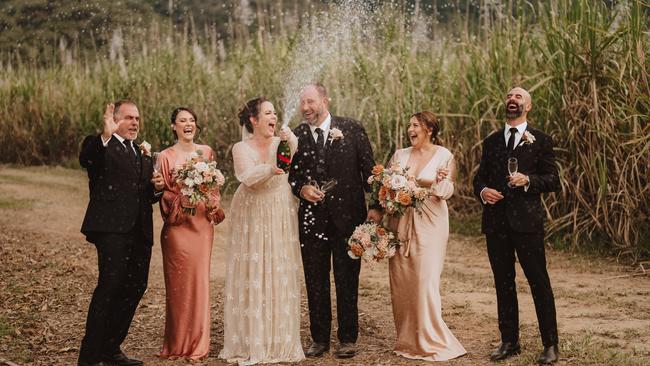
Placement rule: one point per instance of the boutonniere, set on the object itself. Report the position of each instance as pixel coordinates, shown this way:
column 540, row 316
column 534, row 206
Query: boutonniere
column 335, row 134
column 527, row 138
column 145, row 148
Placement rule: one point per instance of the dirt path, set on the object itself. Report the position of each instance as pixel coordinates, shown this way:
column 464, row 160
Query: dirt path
column 47, row 274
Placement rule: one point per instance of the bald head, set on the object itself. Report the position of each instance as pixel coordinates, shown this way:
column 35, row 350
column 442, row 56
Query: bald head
column 518, row 104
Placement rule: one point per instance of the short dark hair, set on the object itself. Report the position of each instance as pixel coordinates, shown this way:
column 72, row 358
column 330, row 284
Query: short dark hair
column 430, row 120
column 121, row 102
column 252, row 108
column 188, row 110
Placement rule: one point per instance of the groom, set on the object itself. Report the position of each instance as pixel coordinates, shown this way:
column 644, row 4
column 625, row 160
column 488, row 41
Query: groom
column 118, row 221
column 338, row 148
column 513, row 221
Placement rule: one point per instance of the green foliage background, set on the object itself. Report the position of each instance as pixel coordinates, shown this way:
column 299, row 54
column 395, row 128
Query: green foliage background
column 585, row 63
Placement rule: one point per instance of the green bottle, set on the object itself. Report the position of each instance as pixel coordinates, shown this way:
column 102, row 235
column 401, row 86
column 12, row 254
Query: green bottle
column 283, row 156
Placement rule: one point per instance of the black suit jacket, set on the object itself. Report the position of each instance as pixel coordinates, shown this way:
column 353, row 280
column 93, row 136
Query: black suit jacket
column 349, row 160
column 121, row 195
column 520, row 210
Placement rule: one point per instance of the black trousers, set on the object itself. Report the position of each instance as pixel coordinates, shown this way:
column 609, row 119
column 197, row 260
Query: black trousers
column 123, row 261
column 317, row 257
column 530, row 252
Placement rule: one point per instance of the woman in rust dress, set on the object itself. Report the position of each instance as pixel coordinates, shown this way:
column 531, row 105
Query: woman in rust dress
column 186, row 242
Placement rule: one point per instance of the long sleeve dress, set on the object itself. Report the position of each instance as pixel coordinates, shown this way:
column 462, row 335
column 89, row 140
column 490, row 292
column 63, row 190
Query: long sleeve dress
column 262, row 292
column 415, row 270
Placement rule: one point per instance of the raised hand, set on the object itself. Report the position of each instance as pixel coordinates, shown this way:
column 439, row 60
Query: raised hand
column 109, row 122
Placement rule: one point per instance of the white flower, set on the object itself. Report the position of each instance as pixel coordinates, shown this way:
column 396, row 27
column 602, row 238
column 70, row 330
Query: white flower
column 528, row 138
column 187, row 191
column 189, row 182
column 194, row 154
column 145, row 147
column 336, row 134
column 198, row 179
column 201, row 166
column 398, row 181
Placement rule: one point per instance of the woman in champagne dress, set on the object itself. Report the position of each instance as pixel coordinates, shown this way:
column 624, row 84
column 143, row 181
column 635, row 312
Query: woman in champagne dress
column 186, row 242
column 415, row 270
column 262, row 293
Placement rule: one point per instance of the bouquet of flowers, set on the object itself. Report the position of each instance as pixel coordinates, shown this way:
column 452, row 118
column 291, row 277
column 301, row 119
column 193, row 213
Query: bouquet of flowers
column 372, row 243
column 395, row 189
column 197, row 179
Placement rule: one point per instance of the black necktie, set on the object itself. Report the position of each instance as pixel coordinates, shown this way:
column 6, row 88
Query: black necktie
column 131, row 150
column 320, row 140
column 511, row 139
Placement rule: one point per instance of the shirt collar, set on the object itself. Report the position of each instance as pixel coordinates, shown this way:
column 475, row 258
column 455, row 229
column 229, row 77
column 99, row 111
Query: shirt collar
column 520, row 128
column 325, row 126
column 119, row 138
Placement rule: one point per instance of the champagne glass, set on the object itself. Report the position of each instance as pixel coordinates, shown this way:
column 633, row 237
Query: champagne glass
column 328, row 186
column 156, row 162
column 513, row 166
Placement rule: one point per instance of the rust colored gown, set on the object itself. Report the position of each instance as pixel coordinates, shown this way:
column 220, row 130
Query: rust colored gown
column 186, row 243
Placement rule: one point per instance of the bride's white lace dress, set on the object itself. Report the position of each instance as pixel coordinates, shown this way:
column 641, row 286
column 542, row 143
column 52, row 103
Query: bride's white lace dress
column 262, row 292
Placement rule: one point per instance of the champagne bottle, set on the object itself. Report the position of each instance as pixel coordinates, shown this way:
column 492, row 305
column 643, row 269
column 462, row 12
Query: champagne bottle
column 283, row 156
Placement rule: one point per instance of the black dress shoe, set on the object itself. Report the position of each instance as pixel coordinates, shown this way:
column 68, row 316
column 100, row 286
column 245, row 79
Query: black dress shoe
column 549, row 355
column 120, row 359
column 317, row 349
column 91, row 363
column 346, row 350
column 505, row 350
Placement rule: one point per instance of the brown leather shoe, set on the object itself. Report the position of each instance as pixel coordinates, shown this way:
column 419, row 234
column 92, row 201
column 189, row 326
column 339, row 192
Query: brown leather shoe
column 549, row 355
column 346, row 350
column 317, row 349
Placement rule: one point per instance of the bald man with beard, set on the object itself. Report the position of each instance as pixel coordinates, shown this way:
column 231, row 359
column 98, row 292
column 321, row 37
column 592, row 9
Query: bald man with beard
column 513, row 221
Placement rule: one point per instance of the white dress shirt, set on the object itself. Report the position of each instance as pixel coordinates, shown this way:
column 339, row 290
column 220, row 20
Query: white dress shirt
column 325, row 126
column 520, row 132
column 121, row 140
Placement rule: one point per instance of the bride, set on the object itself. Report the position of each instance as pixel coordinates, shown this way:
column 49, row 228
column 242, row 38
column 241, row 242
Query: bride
column 262, row 293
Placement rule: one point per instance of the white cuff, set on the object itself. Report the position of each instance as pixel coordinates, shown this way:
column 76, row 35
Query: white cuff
column 527, row 186
column 481, row 195
column 105, row 143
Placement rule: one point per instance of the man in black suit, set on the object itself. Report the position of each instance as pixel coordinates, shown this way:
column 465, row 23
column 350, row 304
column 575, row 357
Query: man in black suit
column 513, row 221
column 118, row 221
column 330, row 147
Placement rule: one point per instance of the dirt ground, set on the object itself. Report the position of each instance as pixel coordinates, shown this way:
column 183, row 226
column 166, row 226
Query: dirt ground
column 48, row 272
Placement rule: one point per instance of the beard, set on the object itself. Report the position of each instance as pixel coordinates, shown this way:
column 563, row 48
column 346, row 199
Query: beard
column 512, row 114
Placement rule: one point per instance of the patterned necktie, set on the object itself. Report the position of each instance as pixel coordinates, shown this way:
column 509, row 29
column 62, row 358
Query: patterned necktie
column 511, row 139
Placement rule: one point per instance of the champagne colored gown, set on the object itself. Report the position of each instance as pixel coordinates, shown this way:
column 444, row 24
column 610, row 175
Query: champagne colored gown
column 186, row 243
column 415, row 270
column 262, row 292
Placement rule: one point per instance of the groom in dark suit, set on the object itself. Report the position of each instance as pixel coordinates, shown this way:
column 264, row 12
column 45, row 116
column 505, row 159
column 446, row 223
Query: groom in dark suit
column 118, row 221
column 330, row 147
column 513, row 221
